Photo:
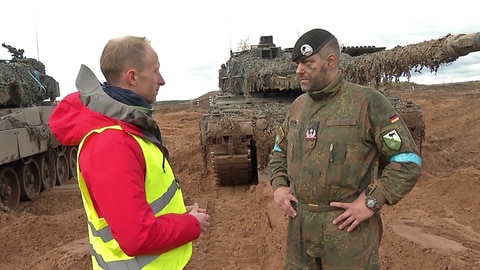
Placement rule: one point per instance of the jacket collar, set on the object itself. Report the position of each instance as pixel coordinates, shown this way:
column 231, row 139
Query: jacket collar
column 330, row 90
column 96, row 99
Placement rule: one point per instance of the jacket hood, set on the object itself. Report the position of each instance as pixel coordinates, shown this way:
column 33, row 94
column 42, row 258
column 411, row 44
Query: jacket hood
column 91, row 108
column 71, row 120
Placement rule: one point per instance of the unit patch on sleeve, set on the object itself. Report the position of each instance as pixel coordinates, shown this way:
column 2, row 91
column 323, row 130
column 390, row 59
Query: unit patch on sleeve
column 280, row 135
column 392, row 140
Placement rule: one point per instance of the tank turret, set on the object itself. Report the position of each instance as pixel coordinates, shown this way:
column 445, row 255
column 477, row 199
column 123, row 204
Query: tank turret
column 23, row 81
column 258, row 85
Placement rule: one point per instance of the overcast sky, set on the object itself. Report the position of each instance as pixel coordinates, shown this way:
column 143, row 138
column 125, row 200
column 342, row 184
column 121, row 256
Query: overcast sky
column 193, row 38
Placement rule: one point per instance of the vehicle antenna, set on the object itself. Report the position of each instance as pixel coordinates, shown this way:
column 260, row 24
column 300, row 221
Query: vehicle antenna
column 36, row 37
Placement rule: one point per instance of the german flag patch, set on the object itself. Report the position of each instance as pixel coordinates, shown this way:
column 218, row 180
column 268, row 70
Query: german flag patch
column 394, row 118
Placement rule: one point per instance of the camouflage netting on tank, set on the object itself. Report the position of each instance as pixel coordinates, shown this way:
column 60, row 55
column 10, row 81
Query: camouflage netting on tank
column 37, row 65
column 23, row 83
column 246, row 73
column 386, row 66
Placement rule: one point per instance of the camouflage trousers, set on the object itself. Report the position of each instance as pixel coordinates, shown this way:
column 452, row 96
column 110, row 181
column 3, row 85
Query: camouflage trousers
column 313, row 242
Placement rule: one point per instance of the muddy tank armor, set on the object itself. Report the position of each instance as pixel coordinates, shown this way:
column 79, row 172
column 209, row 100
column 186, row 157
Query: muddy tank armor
column 258, row 85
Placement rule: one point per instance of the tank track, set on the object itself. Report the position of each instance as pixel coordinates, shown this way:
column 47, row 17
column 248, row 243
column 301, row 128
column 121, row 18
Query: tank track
column 231, row 169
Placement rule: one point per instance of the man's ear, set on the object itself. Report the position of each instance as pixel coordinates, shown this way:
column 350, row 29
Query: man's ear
column 130, row 77
column 331, row 59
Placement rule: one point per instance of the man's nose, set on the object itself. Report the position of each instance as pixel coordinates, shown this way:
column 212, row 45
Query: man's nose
column 161, row 81
column 300, row 69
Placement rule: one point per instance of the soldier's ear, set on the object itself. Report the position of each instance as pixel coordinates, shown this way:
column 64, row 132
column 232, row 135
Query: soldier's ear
column 332, row 59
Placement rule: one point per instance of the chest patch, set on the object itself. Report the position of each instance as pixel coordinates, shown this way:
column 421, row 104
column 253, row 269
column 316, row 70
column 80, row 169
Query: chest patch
column 392, row 140
column 311, row 133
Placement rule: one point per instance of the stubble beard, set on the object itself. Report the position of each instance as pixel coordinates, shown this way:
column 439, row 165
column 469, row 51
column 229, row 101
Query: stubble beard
column 316, row 83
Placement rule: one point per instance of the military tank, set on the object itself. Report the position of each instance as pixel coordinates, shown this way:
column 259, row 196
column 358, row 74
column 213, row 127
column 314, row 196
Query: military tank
column 257, row 86
column 31, row 159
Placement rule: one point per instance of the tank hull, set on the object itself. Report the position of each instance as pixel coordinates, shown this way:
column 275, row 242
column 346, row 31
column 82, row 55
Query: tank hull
column 237, row 138
column 31, row 160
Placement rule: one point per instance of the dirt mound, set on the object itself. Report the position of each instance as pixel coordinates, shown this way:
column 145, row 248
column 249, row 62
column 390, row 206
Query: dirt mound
column 434, row 227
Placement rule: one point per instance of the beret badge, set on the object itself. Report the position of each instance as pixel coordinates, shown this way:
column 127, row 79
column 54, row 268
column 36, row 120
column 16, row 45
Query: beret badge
column 306, row 50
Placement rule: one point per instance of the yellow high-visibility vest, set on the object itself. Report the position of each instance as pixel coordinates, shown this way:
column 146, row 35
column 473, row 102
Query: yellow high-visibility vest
column 163, row 195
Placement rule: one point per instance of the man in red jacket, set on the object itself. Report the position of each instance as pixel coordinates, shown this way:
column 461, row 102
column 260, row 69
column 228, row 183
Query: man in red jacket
column 133, row 202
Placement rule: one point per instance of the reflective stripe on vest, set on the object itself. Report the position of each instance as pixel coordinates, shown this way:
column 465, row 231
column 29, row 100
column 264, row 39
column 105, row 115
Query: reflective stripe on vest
column 134, row 263
column 164, row 196
column 156, row 206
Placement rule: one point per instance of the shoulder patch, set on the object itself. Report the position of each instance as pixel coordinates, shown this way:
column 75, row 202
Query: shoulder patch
column 280, row 135
column 392, row 140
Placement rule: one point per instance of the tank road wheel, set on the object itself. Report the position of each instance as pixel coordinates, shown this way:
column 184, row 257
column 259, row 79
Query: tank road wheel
column 231, row 170
column 61, row 168
column 48, row 175
column 30, row 180
column 72, row 161
column 9, row 188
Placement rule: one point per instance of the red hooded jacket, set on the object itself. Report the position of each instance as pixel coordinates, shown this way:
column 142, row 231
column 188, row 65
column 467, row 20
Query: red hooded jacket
column 113, row 167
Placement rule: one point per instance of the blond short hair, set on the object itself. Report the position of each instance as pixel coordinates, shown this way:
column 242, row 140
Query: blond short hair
column 122, row 53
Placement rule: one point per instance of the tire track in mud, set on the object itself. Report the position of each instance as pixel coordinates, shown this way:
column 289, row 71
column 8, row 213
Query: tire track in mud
column 230, row 242
column 240, row 235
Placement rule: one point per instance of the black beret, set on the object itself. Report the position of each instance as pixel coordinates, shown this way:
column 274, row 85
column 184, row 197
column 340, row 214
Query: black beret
column 309, row 43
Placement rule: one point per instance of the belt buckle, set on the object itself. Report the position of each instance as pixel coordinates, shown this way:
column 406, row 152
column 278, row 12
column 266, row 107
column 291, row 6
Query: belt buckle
column 312, row 207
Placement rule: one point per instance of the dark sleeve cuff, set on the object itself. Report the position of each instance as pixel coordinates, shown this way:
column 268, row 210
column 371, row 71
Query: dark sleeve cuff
column 381, row 200
column 279, row 181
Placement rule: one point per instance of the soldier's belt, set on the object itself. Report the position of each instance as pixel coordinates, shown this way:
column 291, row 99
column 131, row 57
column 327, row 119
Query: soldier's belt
column 315, row 207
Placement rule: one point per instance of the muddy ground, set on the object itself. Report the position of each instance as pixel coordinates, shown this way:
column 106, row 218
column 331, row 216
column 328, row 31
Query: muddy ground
column 434, row 227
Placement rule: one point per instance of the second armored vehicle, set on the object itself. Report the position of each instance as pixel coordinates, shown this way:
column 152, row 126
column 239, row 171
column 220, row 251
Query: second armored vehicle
column 257, row 86
column 31, row 160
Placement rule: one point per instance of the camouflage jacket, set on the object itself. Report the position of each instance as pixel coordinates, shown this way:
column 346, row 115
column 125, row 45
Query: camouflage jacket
column 329, row 145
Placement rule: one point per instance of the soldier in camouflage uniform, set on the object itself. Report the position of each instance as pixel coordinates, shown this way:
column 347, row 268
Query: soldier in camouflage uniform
column 325, row 163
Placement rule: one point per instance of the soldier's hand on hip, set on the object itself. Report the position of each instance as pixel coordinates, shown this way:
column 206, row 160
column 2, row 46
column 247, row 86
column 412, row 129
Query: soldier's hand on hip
column 355, row 213
column 283, row 197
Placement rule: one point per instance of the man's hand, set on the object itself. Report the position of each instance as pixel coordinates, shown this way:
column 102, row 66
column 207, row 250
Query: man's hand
column 200, row 210
column 283, row 197
column 355, row 213
column 200, row 214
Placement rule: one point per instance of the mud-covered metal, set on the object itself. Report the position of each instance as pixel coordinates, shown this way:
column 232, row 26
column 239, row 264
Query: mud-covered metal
column 258, row 85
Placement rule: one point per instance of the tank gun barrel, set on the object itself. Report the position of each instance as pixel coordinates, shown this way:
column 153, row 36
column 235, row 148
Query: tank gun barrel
column 463, row 44
column 389, row 65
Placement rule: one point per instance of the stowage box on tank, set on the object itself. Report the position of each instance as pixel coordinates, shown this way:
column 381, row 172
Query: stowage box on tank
column 257, row 86
column 31, row 160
